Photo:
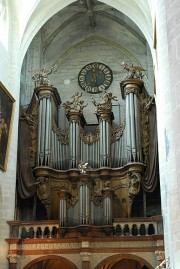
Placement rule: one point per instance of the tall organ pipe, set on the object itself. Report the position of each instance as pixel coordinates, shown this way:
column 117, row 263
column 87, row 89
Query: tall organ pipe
column 130, row 90
column 48, row 96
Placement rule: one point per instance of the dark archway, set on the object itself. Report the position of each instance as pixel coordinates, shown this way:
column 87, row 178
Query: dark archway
column 50, row 262
column 124, row 261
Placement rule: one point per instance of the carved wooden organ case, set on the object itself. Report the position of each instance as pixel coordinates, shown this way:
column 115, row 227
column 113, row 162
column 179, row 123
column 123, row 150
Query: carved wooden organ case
column 120, row 161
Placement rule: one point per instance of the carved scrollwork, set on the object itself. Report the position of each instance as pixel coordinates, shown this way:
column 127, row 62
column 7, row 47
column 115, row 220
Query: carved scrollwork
column 73, row 200
column 134, row 184
column 96, row 199
column 62, row 135
column 43, row 192
column 89, row 138
column 146, row 104
column 132, row 90
column 117, row 132
column 32, row 120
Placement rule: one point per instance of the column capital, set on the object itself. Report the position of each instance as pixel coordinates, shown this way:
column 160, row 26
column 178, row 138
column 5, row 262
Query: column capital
column 76, row 116
column 48, row 92
column 13, row 258
column 85, row 256
column 160, row 255
column 131, row 86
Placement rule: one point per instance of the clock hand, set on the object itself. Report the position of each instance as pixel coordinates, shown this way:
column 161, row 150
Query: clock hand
column 94, row 75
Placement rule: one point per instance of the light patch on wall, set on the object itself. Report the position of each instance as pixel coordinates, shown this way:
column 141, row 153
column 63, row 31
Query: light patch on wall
column 166, row 140
column 4, row 23
column 67, row 81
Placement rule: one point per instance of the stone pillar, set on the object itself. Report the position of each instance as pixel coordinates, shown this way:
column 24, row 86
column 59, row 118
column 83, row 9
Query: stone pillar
column 49, row 100
column 85, row 256
column 13, row 260
column 130, row 90
column 160, row 256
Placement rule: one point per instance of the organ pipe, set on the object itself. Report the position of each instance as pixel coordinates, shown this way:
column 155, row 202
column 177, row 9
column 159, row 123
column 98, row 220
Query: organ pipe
column 130, row 91
column 48, row 97
column 107, row 205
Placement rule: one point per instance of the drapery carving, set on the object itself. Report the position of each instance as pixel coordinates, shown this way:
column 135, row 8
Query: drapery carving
column 26, row 181
column 149, row 180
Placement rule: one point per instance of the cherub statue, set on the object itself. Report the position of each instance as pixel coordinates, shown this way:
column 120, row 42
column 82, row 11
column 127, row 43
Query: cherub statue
column 75, row 101
column 108, row 97
column 107, row 102
column 83, row 167
column 134, row 72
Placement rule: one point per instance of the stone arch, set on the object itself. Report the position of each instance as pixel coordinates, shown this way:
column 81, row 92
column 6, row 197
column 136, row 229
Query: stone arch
column 54, row 258
column 138, row 11
column 110, row 261
column 100, row 40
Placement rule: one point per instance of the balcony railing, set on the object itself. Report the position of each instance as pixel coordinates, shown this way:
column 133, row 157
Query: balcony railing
column 52, row 229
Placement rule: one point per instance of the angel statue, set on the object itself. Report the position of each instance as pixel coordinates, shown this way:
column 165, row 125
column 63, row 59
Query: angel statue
column 41, row 76
column 83, row 167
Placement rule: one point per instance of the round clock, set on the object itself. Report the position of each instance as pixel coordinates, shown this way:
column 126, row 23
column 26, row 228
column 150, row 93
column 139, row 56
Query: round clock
column 95, row 77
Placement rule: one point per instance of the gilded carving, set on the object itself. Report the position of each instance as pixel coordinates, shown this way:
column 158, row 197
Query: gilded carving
column 75, row 104
column 106, row 104
column 83, row 167
column 43, row 192
column 118, row 132
column 97, row 199
column 62, row 135
column 132, row 89
column 89, row 138
column 32, row 120
column 134, row 72
column 40, row 78
column 146, row 104
column 134, row 188
column 134, row 184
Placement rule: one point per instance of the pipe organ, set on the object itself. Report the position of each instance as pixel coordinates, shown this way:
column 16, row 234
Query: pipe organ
column 114, row 155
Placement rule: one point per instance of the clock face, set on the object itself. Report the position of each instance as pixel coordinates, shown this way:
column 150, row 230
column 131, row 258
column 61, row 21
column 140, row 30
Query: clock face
column 95, row 77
